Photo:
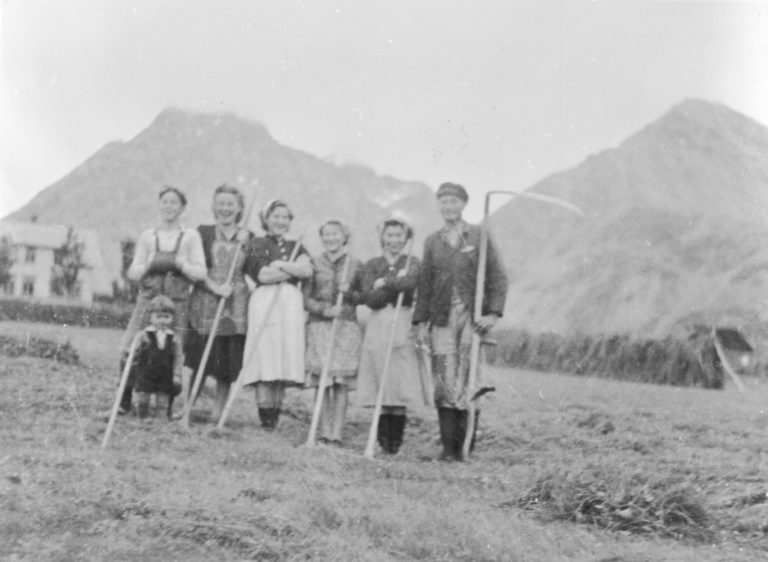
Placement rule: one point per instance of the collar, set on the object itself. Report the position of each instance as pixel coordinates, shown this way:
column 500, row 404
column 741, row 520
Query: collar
column 462, row 227
column 167, row 331
column 335, row 261
column 223, row 236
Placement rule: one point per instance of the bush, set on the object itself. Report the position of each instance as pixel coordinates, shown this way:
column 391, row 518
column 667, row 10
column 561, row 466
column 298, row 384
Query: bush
column 666, row 361
column 39, row 347
column 98, row 316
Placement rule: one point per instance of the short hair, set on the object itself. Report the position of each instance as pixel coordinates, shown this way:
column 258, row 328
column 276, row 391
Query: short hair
column 392, row 222
column 269, row 208
column 231, row 190
column 162, row 303
column 177, row 191
column 340, row 225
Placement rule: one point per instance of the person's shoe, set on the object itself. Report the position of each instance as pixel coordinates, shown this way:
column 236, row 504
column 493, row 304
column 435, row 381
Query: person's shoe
column 396, row 431
column 383, row 432
column 463, row 417
column 448, row 420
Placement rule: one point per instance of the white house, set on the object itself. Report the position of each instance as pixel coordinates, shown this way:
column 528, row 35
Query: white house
column 35, row 254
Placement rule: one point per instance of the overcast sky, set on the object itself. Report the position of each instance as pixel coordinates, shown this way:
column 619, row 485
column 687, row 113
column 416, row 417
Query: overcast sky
column 494, row 94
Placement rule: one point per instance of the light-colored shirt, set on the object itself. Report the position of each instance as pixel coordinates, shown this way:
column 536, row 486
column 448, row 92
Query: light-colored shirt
column 190, row 250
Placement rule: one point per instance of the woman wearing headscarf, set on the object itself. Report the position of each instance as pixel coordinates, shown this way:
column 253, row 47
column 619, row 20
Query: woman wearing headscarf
column 167, row 260
column 384, row 278
column 274, row 346
column 220, row 242
column 335, row 271
column 445, row 307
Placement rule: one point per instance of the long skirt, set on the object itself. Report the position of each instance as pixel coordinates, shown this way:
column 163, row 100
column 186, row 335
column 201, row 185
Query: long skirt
column 224, row 360
column 344, row 358
column 451, row 346
column 402, row 384
column 274, row 344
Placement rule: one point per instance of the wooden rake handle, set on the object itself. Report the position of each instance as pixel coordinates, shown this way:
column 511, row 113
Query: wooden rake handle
column 370, row 446
column 235, row 388
column 120, row 390
column 217, row 317
column 312, row 437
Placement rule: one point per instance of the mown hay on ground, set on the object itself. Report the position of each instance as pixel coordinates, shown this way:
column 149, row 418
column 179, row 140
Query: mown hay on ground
column 39, row 347
column 619, row 502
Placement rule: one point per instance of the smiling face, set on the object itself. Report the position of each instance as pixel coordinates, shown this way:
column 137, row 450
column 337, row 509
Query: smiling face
column 226, row 208
column 332, row 237
column 393, row 239
column 171, row 207
column 161, row 320
column 451, row 207
column 279, row 221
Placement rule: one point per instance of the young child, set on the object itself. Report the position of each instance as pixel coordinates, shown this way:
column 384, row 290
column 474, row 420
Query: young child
column 156, row 366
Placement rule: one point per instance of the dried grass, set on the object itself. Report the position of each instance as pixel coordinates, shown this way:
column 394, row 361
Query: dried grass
column 618, row 502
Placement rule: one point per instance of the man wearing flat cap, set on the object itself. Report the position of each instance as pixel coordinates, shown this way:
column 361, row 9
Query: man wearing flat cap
column 444, row 308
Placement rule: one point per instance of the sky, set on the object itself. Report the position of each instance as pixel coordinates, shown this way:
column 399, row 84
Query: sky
column 494, row 94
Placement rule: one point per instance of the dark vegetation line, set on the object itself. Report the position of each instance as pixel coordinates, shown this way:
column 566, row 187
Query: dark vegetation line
column 668, row 361
column 664, row 361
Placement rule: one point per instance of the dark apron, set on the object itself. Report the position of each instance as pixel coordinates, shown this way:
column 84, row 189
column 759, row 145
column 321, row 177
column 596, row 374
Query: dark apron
column 163, row 277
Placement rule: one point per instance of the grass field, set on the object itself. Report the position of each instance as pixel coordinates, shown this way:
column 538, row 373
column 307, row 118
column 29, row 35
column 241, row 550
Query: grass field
column 547, row 443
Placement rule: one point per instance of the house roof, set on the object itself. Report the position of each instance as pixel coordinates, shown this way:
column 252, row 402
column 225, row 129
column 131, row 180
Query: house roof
column 33, row 234
column 53, row 236
column 732, row 340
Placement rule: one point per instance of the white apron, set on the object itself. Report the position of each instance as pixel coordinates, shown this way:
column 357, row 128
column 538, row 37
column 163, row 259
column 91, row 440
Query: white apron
column 278, row 355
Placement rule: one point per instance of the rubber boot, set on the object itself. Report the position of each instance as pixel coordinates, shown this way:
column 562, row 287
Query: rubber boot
column 448, row 433
column 267, row 419
column 396, row 432
column 463, row 418
column 383, row 431
column 126, row 399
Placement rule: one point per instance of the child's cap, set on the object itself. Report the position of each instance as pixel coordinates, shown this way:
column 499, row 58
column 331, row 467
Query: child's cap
column 161, row 303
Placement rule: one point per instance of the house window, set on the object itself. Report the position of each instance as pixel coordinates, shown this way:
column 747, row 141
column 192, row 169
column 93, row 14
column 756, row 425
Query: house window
column 30, row 255
column 28, row 287
column 8, row 287
column 58, row 257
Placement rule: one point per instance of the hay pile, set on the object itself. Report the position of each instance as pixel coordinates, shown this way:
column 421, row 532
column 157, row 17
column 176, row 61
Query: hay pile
column 666, row 361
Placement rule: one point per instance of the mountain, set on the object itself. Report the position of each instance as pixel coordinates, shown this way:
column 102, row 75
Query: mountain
column 674, row 232
column 115, row 191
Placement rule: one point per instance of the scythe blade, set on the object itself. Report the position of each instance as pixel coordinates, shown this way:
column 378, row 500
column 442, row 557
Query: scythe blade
column 548, row 199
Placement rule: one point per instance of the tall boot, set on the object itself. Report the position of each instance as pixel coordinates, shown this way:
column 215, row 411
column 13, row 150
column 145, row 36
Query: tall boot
column 448, row 430
column 126, row 399
column 266, row 418
column 396, row 431
column 383, row 432
column 463, row 418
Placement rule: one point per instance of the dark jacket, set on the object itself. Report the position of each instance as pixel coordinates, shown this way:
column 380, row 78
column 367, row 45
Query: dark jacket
column 322, row 290
column 260, row 252
column 446, row 268
column 376, row 268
